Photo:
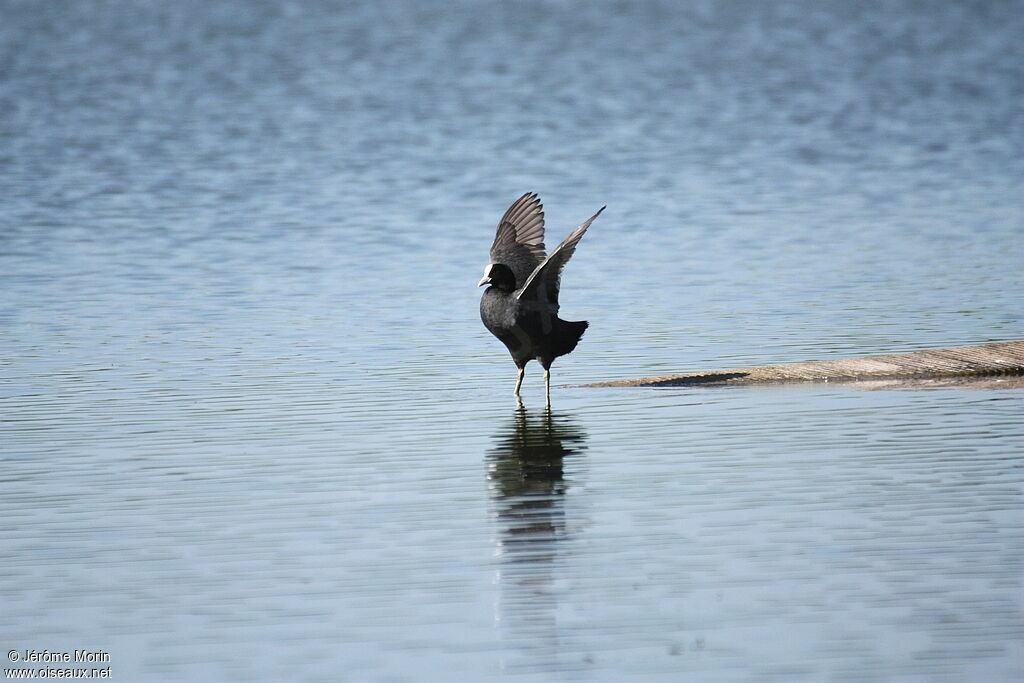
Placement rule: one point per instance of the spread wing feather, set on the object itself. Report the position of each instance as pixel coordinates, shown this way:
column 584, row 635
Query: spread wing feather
column 544, row 281
column 519, row 242
column 522, row 224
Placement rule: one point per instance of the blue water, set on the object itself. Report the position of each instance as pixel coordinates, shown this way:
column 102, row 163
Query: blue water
column 251, row 426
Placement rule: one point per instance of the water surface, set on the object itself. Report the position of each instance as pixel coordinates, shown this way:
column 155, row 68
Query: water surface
column 251, row 426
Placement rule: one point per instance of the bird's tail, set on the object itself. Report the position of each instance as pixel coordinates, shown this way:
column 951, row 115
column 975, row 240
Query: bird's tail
column 569, row 335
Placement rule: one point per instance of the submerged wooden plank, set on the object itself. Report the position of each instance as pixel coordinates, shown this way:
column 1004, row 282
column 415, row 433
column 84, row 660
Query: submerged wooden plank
column 985, row 360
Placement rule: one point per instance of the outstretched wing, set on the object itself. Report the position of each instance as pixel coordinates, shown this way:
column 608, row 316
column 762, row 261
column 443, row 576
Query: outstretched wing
column 519, row 242
column 523, row 224
column 544, row 281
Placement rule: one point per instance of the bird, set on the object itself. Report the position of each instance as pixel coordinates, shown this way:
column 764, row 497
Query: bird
column 520, row 306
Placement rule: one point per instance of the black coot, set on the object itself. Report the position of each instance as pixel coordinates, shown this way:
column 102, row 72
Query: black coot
column 521, row 305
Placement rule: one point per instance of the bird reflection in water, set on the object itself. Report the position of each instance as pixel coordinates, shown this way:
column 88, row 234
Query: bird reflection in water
column 526, row 475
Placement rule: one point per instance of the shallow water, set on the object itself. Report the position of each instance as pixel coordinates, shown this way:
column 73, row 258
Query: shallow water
column 251, row 426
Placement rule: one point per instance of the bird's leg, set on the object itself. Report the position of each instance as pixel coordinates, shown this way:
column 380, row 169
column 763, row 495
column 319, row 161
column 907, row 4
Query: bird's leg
column 547, row 385
column 519, row 381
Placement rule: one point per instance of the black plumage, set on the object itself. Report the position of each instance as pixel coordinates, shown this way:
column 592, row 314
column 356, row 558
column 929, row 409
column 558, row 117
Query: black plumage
column 521, row 305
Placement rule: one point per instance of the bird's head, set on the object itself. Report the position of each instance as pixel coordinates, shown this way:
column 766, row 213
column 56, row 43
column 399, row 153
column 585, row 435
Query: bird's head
column 498, row 275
